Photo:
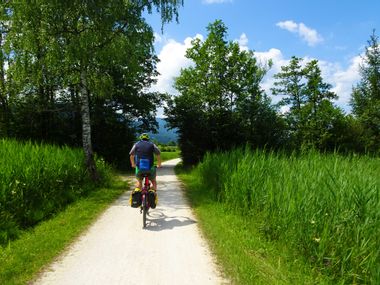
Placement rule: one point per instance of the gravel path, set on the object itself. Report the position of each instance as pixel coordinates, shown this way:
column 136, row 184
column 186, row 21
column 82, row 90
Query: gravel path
column 117, row 250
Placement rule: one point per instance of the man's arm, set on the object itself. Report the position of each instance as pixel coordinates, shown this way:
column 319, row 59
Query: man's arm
column 132, row 159
column 132, row 156
column 157, row 152
column 158, row 160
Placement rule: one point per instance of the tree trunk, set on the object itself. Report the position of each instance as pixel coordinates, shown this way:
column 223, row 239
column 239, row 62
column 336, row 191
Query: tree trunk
column 4, row 118
column 86, row 129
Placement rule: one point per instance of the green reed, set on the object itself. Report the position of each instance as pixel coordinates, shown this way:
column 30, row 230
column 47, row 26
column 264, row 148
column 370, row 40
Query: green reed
column 325, row 206
column 37, row 181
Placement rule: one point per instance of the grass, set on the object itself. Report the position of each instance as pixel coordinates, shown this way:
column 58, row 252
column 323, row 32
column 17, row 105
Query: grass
column 321, row 210
column 169, row 155
column 37, row 181
column 243, row 254
column 22, row 259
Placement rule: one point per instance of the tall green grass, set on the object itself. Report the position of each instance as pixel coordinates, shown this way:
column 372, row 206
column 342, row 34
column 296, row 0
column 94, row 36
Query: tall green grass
column 37, row 181
column 326, row 207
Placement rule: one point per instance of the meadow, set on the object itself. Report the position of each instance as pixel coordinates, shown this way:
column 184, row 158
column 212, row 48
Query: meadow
column 324, row 207
column 168, row 155
column 37, row 181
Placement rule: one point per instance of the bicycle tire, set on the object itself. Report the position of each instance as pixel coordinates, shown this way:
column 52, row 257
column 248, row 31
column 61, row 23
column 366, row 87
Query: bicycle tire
column 145, row 210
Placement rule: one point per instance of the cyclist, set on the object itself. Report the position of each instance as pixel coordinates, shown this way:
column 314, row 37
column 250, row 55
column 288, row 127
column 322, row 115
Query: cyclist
column 142, row 158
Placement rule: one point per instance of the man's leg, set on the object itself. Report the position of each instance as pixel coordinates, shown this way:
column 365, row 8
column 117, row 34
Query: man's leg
column 152, row 178
column 154, row 182
column 139, row 183
column 153, row 200
column 139, row 179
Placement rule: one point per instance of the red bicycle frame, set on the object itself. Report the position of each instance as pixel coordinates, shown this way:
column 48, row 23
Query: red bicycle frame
column 144, row 197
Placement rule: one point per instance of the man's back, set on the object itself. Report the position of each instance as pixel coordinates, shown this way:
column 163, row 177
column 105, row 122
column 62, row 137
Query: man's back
column 144, row 149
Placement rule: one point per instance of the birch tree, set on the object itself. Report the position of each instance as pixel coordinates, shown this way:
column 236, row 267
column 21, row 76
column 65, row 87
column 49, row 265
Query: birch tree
column 77, row 40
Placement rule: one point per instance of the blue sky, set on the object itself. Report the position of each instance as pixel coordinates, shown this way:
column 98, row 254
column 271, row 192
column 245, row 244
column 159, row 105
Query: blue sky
column 334, row 32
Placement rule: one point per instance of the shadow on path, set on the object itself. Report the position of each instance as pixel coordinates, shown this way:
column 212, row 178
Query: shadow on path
column 158, row 221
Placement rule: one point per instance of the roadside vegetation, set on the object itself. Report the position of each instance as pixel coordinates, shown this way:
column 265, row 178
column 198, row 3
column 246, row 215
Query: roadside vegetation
column 47, row 200
column 272, row 216
column 169, row 152
column 170, row 155
column 37, row 181
column 221, row 103
column 310, row 212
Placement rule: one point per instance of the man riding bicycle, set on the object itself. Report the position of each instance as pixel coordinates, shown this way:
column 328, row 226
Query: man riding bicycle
column 142, row 158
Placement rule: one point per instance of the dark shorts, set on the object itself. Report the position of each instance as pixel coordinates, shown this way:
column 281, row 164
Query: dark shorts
column 151, row 173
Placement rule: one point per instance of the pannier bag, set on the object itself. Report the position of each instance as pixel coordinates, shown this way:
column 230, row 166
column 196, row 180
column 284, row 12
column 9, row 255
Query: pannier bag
column 152, row 199
column 136, row 199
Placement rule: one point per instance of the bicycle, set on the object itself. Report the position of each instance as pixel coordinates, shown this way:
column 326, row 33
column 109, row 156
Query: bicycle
column 144, row 208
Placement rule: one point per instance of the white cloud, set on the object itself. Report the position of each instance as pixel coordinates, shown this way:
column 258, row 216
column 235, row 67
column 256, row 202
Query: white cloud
column 309, row 35
column 288, row 25
column 172, row 59
column 272, row 54
column 216, row 1
column 278, row 60
column 243, row 42
column 342, row 80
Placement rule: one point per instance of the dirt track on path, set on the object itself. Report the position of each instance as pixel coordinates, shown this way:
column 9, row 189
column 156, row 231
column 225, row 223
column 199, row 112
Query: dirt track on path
column 117, row 250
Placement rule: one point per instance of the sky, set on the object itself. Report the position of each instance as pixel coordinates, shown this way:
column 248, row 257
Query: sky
column 334, row 32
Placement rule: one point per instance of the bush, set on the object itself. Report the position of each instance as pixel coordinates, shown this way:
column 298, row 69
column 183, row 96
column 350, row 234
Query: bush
column 165, row 148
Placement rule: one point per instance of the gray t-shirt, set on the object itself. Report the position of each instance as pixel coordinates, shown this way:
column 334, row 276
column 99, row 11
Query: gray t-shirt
column 155, row 149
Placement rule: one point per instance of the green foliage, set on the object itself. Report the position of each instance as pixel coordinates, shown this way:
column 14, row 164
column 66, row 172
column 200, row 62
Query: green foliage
column 37, row 181
column 326, row 207
column 169, row 155
column 221, row 103
column 64, row 53
column 290, row 83
column 4, row 57
column 243, row 254
column 365, row 99
column 312, row 119
column 168, row 148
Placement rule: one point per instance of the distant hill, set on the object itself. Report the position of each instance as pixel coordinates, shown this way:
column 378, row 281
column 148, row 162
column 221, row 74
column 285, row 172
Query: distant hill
column 164, row 135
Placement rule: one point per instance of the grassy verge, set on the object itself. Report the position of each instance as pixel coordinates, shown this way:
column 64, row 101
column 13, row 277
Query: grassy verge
column 244, row 254
column 23, row 258
column 169, row 155
column 325, row 206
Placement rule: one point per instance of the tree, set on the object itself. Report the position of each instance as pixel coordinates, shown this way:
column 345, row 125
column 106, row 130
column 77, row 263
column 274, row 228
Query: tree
column 312, row 118
column 4, row 110
column 318, row 109
column 79, row 40
column 365, row 98
column 291, row 83
column 220, row 96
